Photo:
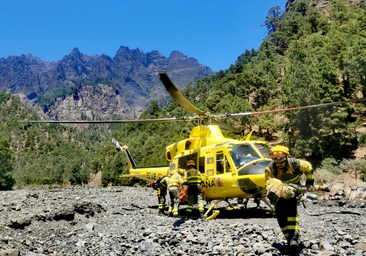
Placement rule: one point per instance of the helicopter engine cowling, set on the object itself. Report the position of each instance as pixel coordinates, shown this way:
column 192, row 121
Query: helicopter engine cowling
column 251, row 177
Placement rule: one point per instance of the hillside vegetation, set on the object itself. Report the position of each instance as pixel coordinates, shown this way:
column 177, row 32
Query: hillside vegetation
column 43, row 154
column 308, row 57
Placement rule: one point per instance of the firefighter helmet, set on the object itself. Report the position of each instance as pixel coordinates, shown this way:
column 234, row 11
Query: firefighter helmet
column 172, row 172
column 191, row 162
column 279, row 154
column 180, row 171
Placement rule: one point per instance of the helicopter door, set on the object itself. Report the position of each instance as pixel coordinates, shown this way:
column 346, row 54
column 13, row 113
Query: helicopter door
column 222, row 164
column 182, row 162
column 223, row 176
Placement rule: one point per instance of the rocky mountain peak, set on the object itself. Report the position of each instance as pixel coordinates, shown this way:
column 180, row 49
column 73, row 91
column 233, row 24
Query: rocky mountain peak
column 177, row 55
column 134, row 73
column 75, row 52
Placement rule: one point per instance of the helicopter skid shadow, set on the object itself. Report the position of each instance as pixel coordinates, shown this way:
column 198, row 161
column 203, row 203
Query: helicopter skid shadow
column 153, row 206
column 241, row 213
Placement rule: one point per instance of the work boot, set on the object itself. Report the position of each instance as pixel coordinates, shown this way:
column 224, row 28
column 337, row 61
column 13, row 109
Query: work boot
column 294, row 247
column 202, row 215
column 161, row 213
column 189, row 214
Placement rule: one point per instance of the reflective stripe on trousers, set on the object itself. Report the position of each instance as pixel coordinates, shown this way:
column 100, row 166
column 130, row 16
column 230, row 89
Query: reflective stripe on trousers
column 162, row 199
column 174, row 200
column 286, row 214
column 191, row 199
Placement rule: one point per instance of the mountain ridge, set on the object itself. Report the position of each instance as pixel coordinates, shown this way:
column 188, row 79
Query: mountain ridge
column 134, row 73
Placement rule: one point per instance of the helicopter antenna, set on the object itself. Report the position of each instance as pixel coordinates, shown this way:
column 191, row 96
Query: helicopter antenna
column 188, row 130
column 247, row 137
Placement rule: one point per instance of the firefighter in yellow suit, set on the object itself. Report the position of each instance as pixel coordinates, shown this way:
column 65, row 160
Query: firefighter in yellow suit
column 194, row 192
column 284, row 188
column 175, row 182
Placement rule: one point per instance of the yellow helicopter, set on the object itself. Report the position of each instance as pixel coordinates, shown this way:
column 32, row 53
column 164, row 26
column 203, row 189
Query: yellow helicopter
column 230, row 169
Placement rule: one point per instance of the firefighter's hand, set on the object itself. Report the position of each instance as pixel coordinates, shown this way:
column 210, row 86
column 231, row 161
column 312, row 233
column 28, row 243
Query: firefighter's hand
column 298, row 189
column 273, row 195
column 310, row 188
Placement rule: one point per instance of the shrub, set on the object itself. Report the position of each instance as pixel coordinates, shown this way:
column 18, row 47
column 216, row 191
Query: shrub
column 356, row 165
column 331, row 165
column 324, row 176
column 362, row 139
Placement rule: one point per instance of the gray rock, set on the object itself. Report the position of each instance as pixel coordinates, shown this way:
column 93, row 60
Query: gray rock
column 123, row 221
column 89, row 227
column 311, row 196
column 146, row 246
column 9, row 252
column 325, row 246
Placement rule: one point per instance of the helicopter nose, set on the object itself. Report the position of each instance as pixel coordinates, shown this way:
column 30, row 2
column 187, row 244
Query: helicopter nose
column 251, row 177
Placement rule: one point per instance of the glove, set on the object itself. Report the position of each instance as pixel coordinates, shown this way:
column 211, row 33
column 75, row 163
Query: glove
column 298, row 189
column 273, row 195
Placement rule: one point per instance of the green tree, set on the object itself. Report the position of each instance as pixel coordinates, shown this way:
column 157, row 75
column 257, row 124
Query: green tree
column 272, row 18
column 6, row 165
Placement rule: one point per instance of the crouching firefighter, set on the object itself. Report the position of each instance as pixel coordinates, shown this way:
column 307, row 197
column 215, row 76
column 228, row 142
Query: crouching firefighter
column 160, row 185
column 284, row 191
column 193, row 180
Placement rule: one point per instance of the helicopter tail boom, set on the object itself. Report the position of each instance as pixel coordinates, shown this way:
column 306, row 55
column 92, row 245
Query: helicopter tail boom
column 149, row 173
column 126, row 153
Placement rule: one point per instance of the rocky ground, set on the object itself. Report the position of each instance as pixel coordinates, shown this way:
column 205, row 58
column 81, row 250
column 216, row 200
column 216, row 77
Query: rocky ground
column 124, row 221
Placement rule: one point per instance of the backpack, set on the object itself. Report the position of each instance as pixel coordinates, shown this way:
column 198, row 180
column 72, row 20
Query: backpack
column 293, row 162
column 155, row 184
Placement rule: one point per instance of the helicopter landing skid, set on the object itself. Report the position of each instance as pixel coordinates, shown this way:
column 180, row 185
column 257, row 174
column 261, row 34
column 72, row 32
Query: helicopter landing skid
column 232, row 207
column 216, row 212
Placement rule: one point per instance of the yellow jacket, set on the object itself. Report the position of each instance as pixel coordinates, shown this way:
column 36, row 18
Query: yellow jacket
column 278, row 180
column 165, row 181
column 175, row 181
column 289, row 174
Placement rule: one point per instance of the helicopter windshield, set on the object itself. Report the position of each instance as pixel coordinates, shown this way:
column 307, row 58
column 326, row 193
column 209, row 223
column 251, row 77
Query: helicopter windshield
column 263, row 149
column 243, row 154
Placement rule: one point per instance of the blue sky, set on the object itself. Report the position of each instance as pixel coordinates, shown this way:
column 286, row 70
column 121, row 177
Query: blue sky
column 213, row 32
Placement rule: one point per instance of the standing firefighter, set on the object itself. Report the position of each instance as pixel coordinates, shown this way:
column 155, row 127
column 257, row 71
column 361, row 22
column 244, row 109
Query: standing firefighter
column 284, row 189
column 175, row 182
column 193, row 180
column 163, row 185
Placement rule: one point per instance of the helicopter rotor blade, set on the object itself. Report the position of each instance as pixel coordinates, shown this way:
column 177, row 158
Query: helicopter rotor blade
column 200, row 115
column 159, row 120
column 177, row 95
column 226, row 126
column 289, row 109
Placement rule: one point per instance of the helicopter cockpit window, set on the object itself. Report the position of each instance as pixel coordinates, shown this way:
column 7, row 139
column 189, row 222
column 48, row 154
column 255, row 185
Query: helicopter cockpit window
column 243, row 154
column 222, row 164
column 264, row 149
